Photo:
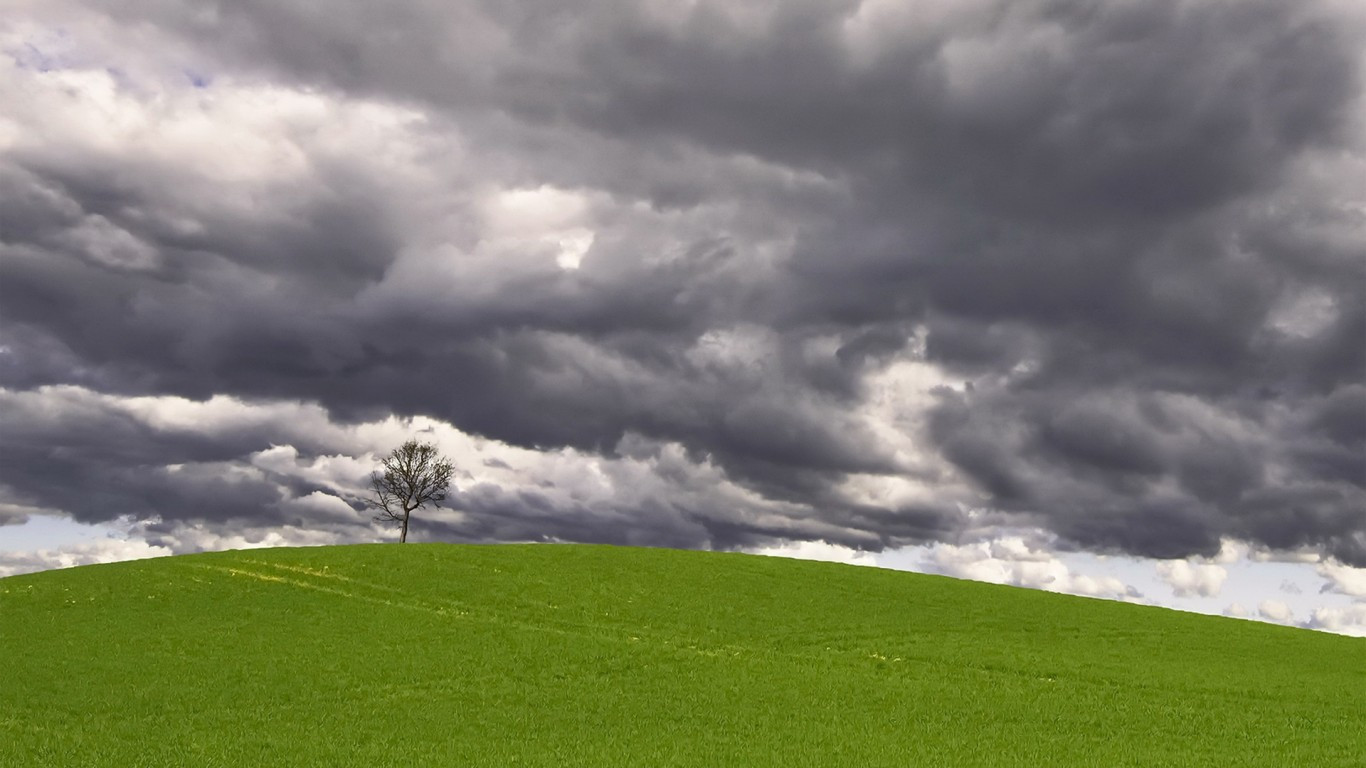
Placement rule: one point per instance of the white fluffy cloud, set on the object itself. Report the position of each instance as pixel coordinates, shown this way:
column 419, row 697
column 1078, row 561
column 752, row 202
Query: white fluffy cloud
column 107, row 550
column 1275, row 610
column 1343, row 579
column 1347, row 620
column 1189, row 579
column 1012, row 560
column 200, row 538
column 818, row 550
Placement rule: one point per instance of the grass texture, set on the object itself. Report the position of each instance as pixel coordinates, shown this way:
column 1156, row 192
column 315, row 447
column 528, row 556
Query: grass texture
column 560, row 655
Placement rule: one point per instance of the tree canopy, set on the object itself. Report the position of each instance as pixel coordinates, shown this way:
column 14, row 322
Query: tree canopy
column 412, row 476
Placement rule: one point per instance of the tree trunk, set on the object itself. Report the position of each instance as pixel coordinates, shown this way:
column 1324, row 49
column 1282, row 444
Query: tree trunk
column 403, row 535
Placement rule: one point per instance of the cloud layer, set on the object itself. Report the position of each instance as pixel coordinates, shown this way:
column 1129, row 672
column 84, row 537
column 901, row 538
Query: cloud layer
column 860, row 273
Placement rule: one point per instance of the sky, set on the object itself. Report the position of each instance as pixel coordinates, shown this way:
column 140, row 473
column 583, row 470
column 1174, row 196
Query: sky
column 1053, row 293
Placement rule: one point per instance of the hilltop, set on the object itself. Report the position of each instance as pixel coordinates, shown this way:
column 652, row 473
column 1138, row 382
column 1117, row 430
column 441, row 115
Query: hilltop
column 431, row 654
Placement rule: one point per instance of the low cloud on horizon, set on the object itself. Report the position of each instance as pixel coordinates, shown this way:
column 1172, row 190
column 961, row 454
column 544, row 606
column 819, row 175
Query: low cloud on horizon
column 731, row 275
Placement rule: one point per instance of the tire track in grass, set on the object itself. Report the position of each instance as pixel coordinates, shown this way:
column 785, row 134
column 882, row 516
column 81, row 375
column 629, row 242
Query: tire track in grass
column 690, row 647
column 856, row 650
column 564, row 628
column 278, row 579
column 567, row 629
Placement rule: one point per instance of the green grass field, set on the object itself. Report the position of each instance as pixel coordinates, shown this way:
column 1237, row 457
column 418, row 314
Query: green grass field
column 558, row 655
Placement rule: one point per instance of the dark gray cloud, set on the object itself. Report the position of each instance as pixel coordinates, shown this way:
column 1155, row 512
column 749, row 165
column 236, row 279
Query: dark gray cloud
column 1127, row 236
column 1157, row 474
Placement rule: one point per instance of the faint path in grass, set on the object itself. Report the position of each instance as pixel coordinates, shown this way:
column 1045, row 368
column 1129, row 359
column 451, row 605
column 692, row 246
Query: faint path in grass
column 461, row 612
column 855, row 648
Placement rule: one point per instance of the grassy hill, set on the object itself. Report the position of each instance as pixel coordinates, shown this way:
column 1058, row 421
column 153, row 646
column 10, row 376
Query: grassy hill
column 558, row 655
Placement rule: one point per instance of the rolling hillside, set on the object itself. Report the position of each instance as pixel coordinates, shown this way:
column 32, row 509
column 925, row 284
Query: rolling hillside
column 557, row 655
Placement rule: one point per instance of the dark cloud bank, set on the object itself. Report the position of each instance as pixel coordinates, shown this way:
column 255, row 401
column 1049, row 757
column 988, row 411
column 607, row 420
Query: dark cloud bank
column 1131, row 232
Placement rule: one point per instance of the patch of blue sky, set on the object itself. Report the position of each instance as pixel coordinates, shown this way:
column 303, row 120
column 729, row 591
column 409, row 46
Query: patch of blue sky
column 49, row 532
column 1249, row 582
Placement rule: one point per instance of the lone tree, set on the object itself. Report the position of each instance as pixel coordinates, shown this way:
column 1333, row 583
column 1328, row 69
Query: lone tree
column 414, row 475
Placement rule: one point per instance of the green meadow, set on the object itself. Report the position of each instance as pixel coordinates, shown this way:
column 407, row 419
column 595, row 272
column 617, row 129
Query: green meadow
column 557, row 655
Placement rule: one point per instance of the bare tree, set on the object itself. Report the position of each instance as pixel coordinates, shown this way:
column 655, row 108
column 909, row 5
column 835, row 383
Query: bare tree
column 414, row 475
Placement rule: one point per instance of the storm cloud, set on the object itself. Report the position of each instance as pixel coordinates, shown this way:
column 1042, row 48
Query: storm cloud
column 862, row 272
